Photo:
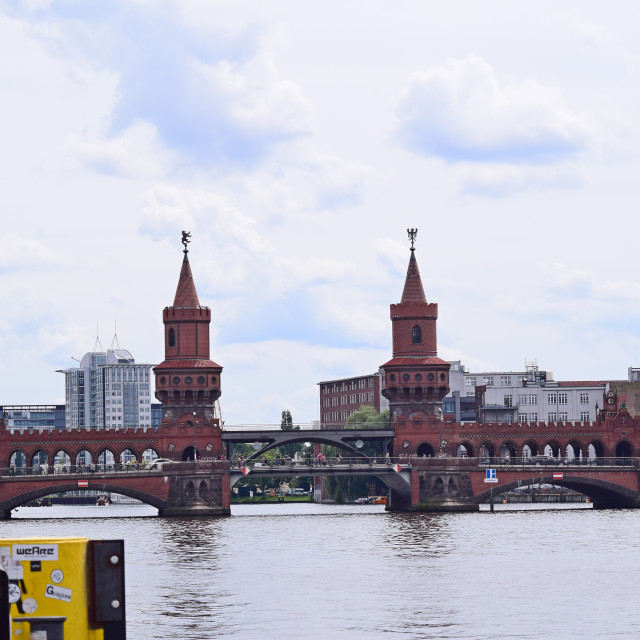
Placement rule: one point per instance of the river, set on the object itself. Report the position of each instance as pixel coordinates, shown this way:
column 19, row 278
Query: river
column 326, row 572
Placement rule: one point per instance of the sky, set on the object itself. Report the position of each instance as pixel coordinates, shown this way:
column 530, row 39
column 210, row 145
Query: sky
column 298, row 142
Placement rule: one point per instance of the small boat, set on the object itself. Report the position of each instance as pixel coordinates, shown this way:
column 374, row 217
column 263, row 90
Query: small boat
column 102, row 500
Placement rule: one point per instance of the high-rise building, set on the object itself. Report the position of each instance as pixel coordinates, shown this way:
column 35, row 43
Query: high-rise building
column 109, row 389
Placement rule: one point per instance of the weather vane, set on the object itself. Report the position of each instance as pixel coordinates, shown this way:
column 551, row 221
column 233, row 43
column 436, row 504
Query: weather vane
column 185, row 240
column 412, row 236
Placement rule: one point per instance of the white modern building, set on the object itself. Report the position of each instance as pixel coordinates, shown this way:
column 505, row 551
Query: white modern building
column 531, row 395
column 109, row 389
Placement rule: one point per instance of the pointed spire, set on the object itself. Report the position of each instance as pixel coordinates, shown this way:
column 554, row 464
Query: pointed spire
column 413, row 291
column 186, row 294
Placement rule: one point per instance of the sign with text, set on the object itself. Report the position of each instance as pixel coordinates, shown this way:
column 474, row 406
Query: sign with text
column 491, row 476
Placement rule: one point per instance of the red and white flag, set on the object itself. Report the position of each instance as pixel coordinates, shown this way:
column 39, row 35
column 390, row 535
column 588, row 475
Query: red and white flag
column 83, row 484
column 558, row 475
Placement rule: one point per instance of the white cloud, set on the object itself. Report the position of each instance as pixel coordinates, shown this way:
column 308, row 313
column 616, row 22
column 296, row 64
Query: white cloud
column 462, row 112
column 498, row 180
column 21, row 252
column 135, row 153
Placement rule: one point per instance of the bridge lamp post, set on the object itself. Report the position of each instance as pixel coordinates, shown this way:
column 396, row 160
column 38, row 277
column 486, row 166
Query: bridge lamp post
column 195, row 439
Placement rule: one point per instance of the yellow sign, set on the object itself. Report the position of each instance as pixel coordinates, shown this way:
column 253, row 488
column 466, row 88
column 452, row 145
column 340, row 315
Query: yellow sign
column 52, row 587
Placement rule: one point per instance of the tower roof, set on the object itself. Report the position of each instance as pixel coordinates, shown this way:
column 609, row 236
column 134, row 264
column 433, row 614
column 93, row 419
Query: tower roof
column 186, row 294
column 413, row 291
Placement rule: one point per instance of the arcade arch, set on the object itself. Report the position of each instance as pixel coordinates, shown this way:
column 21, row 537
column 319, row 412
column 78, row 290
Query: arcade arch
column 425, row 450
column 61, row 462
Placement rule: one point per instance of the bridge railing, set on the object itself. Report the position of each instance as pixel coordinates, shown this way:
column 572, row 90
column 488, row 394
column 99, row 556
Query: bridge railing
column 543, row 461
column 313, row 463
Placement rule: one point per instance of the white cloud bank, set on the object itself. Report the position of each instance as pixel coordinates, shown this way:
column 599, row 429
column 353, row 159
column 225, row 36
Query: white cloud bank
column 461, row 112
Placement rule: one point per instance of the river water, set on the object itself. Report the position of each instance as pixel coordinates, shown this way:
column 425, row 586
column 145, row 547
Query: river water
column 325, row 572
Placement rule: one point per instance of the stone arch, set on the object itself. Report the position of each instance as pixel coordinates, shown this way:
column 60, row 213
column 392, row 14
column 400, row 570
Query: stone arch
column 624, row 449
column 425, row 450
column 106, row 460
column 203, row 489
column 18, row 462
column 573, row 451
column 61, row 461
column 149, row 455
column 486, row 451
column 464, row 450
column 530, row 449
column 508, row 449
column 452, row 487
column 595, row 450
column 127, row 457
column 553, row 448
column 190, row 489
column 39, row 462
column 83, row 459
column 188, row 454
column 438, row 486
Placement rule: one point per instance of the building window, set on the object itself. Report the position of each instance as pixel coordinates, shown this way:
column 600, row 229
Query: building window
column 489, row 381
column 562, row 416
column 522, row 398
column 533, row 417
column 552, row 417
column 533, row 398
column 552, row 398
column 584, row 398
column 172, row 337
column 416, row 335
column 505, row 381
column 470, row 382
column 584, row 416
column 508, row 401
column 522, row 417
column 562, row 398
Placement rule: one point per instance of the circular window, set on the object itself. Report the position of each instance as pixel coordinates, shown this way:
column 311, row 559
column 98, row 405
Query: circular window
column 188, row 379
column 430, row 376
column 418, row 377
column 163, row 381
column 392, row 377
column 442, row 376
column 405, row 376
column 213, row 379
column 200, row 379
column 176, row 380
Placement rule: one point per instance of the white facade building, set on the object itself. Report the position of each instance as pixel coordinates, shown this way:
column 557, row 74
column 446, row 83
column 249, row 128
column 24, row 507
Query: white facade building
column 529, row 396
column 109, row 389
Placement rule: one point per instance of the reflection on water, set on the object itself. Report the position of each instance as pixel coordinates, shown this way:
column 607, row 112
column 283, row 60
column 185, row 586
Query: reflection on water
column 319, row 571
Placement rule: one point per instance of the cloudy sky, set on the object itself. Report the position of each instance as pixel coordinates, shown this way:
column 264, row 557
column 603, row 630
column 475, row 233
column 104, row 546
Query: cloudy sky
column 298, row 141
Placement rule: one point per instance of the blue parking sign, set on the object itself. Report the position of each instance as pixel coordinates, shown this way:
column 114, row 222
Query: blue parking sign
column 491, row 474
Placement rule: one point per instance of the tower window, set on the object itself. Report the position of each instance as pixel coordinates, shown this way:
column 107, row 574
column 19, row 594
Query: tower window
column 172, row 337
column 416, row 335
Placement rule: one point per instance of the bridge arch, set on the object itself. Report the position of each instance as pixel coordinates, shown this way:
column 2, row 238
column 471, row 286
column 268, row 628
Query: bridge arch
column 487, row 450
column 595, row 449
column 17, row 461
column 106, row 459
column 39, row 460
column 603, row 494
column 624, row 449
column 508, row 447
column 530, row 449
column 574, row 450
column 465, row 448
column 425, row 450
column 112, row 487
column 553, row 448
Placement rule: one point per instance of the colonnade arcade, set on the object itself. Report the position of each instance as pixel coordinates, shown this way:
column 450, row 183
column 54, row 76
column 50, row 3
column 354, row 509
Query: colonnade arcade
column 573, row 450
column 62, row 461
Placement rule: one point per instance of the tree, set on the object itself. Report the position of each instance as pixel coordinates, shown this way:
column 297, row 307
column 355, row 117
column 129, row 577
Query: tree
column 286, row 424
column 367, row 417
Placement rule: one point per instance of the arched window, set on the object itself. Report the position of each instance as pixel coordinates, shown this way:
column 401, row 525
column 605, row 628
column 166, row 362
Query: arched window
column 172, row 337
column 416, row 335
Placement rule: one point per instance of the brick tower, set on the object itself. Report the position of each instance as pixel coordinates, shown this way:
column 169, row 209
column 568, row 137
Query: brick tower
column 415, row 379
column 187, row 382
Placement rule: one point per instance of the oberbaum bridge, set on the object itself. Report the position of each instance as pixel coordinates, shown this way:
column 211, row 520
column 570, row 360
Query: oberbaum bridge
column 434, row 464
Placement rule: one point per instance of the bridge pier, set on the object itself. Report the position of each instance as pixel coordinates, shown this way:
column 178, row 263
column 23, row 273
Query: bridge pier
column 437, row 485
column 204, row 491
